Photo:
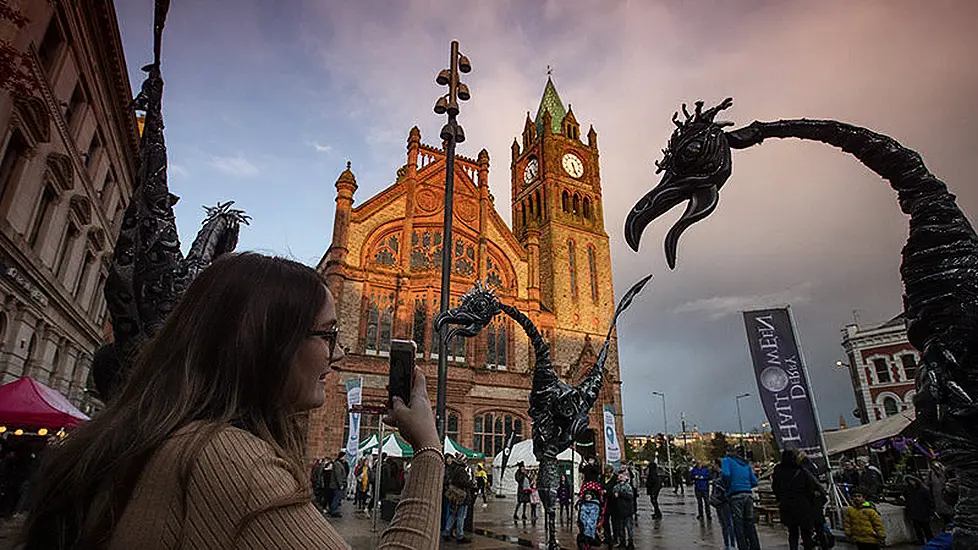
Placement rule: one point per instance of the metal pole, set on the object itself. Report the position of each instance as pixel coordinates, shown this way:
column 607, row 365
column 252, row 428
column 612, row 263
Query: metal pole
column 740, row 422
column 818, row 421
column 377, row 474
column 446, row 243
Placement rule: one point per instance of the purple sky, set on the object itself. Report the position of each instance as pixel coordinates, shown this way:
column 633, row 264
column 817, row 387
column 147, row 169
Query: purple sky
column 266, row 100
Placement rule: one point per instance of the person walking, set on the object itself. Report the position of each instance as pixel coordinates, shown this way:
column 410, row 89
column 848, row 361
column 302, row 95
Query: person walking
column 719, row 500
column 610, row 504
column 919, row 507
column 701, row 488
column 564, row 499
column 652, row 486
column 482, row 484
column 457, row 495
column 863, row 524
column 337, row 484
column 678, row 482
column 522, row 491
column 623, row 512
column 739, row 479
column 797, row 492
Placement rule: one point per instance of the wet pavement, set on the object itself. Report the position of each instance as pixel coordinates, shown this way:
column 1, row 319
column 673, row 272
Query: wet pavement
column 495, row 529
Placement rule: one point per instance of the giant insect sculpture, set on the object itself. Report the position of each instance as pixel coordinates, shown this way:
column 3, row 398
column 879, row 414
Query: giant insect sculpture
column 939, row 269
column 148, row 273
column 558, row 410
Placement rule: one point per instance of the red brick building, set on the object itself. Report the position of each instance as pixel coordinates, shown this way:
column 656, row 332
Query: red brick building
column 384, row 268
column 883, row 368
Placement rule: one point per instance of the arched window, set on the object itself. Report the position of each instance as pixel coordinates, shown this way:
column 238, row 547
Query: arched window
column 491, row 429
column 587, row 208
column 593, row 272
column 890, row 406
column 572, row 264
column 523, row 214
column 530, row 209
column 577, row 205
column 377, row 340
column 496, row 346
column 420, row 324
column 539, row 204
column 565, row 201
column 386, row 253
column 451, row 426
column 456, row 347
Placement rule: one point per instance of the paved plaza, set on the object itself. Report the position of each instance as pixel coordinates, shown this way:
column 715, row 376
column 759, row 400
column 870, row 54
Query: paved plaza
column 678, row 529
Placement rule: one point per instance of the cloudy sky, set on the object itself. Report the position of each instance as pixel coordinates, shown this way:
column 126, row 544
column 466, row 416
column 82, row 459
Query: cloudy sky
column 266, row 101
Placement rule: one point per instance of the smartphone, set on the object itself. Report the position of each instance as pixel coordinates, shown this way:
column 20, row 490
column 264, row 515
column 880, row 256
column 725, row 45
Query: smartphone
column 402, row 371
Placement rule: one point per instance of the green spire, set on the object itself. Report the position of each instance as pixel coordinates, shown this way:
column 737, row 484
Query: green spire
column 550, row 102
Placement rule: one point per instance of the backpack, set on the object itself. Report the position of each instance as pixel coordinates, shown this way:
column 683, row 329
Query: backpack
column 718, row 493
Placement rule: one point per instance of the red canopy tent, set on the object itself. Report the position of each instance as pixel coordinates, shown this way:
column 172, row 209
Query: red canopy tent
column 27, row 402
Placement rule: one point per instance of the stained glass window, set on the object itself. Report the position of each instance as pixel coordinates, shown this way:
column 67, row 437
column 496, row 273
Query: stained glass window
column 377, row 339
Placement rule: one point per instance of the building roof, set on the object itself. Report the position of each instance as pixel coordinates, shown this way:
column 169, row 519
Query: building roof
column 550, row 102
column 898, row 321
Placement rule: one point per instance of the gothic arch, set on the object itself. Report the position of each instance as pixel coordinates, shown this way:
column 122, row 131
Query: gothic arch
column 576, row 203
column 565, row 201
column 96, row 237
column 587, row 208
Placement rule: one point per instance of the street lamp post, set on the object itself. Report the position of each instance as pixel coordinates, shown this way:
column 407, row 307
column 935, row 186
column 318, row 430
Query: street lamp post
column 740, row 422
column 452, row 134
column 665, row 435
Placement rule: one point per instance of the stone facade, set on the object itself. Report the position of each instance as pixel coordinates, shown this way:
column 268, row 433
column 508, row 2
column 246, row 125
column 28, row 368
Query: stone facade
column 883, row 368
column 67, row 165
column 384, row 265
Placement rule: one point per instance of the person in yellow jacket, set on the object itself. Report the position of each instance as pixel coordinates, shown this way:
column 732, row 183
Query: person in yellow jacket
column 482, row 483
column 863, row 524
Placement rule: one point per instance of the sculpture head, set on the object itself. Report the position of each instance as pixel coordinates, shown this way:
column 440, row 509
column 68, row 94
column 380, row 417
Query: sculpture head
column 474, row 312
column 696, row 164
column 230, row 220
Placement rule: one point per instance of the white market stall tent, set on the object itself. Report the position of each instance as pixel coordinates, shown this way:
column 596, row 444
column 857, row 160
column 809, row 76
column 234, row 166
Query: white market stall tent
column 523, row 452
column 840, row 441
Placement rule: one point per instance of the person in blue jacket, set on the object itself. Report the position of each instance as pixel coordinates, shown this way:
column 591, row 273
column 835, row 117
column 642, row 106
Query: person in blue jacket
column 739, row 479
column 701, row 486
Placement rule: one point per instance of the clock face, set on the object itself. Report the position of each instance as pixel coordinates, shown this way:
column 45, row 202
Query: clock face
column 572, row 165
column 530, row 172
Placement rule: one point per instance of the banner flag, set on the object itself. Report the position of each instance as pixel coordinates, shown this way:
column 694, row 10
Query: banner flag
column 782, row 382
column 612, row 450
column 507, row 450
column 354, row 392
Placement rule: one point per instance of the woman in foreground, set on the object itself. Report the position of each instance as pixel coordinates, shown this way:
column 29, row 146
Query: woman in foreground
column 203, row 448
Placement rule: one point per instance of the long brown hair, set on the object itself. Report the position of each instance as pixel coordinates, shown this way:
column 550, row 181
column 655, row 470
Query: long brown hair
column 223, row 357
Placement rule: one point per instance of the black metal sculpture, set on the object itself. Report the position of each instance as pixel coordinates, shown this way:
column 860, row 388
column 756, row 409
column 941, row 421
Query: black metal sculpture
column 558, row 410
column 939, row 269
column 148, row 272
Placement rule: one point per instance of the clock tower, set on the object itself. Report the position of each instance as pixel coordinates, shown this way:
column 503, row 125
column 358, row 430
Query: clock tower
column 558, row 216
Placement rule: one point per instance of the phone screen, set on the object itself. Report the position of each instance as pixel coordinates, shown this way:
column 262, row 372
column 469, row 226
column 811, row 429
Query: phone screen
column 402, row 371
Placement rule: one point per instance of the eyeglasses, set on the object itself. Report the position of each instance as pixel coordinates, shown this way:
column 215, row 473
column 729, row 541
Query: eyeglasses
column 329, row 336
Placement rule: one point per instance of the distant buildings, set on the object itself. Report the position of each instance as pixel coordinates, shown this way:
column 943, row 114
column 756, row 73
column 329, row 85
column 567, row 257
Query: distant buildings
column 67, row 164
column 882, row 367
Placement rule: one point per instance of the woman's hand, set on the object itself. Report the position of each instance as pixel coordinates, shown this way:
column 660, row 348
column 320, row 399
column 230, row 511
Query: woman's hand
column 416, row 422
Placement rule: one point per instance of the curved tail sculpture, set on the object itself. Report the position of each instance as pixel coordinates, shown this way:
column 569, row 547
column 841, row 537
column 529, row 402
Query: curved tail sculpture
column 939, row 269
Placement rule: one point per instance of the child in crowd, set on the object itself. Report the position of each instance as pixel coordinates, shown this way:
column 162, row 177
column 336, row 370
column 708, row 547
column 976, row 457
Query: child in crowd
column 863, row 524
